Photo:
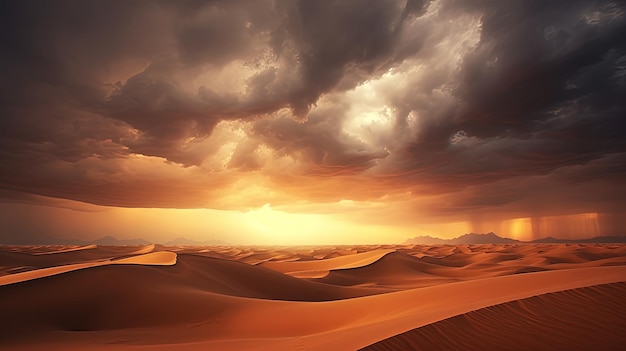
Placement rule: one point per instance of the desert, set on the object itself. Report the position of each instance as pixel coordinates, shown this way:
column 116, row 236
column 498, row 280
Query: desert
column 372, row 297
column 312, row 175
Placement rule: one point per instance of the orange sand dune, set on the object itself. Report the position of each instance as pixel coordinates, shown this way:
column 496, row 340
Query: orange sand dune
column 69, row 249
column 320, row 268
column 355, row 323
column 581, row 319
column 207, row 303
column 143, row 250
column 394, row 270
column 155, row 258
column 15, row 259
column 406, row 269
column 220, row 322
column 161, row 258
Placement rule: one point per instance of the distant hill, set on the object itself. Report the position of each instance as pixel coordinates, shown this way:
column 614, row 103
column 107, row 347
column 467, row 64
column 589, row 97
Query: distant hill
column 492, row 238
column 426, row 240
column 610, row 239
column 37, row 240
column 552, row 240
column 50, row 240
column 471, row 238
column 489, row 238
column 104, row 241
column 180, row 241
column 112, row 241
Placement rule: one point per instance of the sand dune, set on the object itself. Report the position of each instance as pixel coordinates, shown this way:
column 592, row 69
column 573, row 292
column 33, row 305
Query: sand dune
column 405, row 269
column 190, row 300
column 394, row 270
column 69, row 249
column 24, row 258
column 320, row 268
column 143, row 250
column 358, row 322
column 161, row 258
column 155, row 258
column 581, row 319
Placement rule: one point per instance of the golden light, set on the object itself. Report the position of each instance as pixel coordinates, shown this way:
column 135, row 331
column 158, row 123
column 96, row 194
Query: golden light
column 575, row 226
column 284, row 228
column 518, row 228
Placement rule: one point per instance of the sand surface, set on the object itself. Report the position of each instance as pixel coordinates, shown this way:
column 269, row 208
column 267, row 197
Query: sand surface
column 518, row 297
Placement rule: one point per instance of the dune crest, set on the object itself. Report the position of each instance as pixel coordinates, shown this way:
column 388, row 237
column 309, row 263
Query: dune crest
column 162, row 258
column 70, row 249
column 321, row 268
column 542, row 322
column 143, row 250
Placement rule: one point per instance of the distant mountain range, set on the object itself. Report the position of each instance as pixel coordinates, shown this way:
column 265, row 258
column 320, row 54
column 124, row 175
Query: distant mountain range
column 492, row 238
column 598, row 239
column 50, row 240
column 112, row 241
column 471, row 238
column 105, row 241
column 188, row 242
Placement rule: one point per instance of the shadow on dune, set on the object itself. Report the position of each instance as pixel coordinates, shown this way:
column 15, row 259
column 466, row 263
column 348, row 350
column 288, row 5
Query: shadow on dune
column 196, row 289
column 547, row 322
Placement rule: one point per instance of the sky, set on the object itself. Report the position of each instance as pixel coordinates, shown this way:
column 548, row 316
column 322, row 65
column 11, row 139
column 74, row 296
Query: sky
column 312, row 122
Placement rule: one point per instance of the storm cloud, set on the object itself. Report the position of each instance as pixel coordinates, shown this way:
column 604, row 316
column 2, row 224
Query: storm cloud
column 466, row 106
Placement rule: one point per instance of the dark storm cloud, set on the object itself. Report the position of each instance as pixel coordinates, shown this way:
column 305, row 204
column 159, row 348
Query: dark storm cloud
column 336, row 37
column 318, row 141
column 541, row 90
column 533, row 57
column 537, row 92
column 52, row 62
column 71, row 46
column 57, row 58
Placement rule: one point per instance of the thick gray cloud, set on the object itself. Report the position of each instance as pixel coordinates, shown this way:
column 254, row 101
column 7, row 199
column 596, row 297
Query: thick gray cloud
column 539, row 91
column 318, row 141
column 337, row 38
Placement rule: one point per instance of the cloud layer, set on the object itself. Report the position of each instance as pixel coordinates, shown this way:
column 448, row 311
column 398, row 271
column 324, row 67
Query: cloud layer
column 443, row 108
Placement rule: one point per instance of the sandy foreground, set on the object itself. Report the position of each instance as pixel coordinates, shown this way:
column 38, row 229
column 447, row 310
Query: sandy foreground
column 466, row 297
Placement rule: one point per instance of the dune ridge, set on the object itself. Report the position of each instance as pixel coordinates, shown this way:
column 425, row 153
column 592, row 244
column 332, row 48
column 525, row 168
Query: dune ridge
column 70, row 249
column 143, row 250
column 542, row 322
column 320, row 268
column 155, row 258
